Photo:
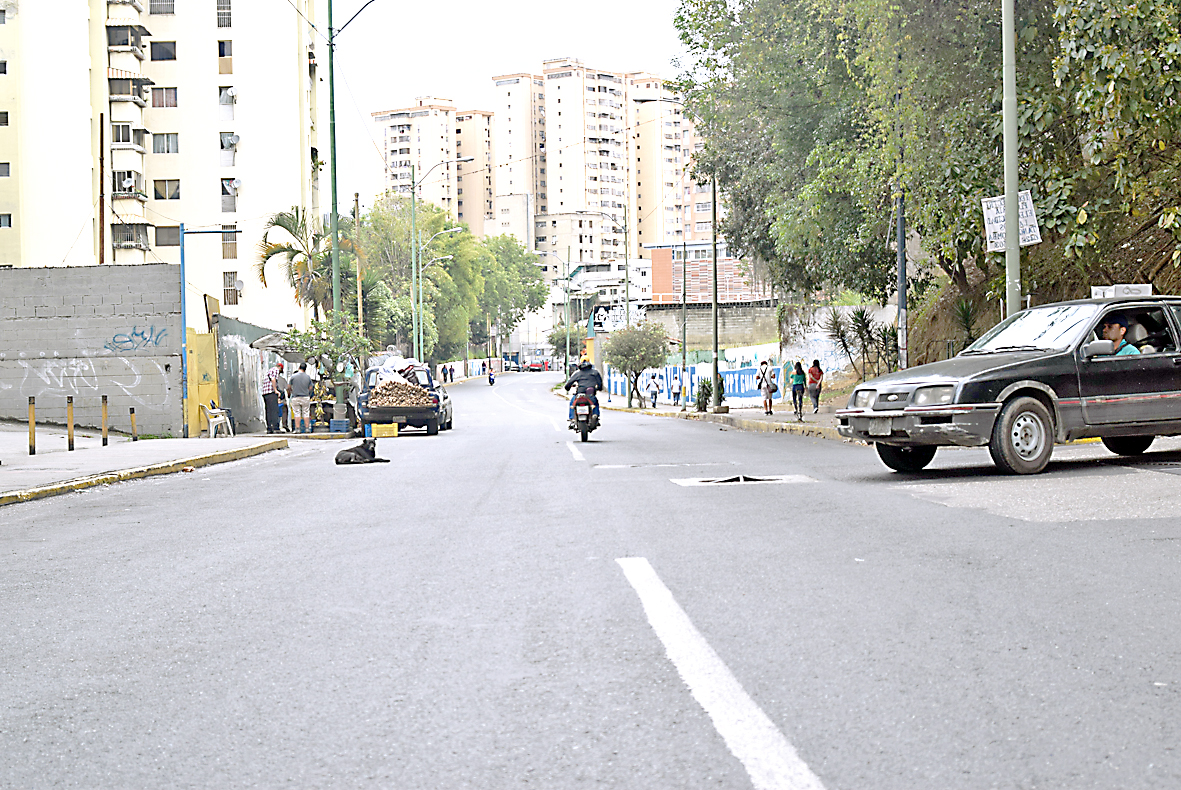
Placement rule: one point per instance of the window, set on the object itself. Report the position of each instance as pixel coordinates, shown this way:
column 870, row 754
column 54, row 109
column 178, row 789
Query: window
column 225, row 60
column 3, row 66
column 4, row 118
column 163, row 50
column 223, row 13
column 225, row 98
column 5, row 220
column 168, row 235
column 120, row 133
column 225, row 49
column 163, row 97
column 229, row 195
column 168, row 189
column 229, row 282
column 166, row 143
column 229, row 241
column 229, row 144
column 2, row 18
column 5, row 169
column 162, row 6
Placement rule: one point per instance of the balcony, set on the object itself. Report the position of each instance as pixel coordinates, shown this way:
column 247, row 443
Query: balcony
column 136, row 4
column 130, row 237
column 137, row 142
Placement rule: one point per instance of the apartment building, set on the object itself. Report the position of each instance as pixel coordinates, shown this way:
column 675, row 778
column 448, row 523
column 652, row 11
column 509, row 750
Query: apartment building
column 660, row 161
column 421, row 137
column 153, row 121
column 232, row 113
column 475, row 181
column 519, row 154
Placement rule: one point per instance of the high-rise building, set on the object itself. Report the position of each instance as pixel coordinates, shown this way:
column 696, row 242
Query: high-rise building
column 519, row 156
column 155, row 120
column 422, row 138
column 475, row 181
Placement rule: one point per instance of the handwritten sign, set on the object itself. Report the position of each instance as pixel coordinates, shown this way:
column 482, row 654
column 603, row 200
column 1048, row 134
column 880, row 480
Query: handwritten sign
column 994, row 221
column 609, row 318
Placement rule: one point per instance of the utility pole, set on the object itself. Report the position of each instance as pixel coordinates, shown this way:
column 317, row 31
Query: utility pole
column 357, row 255
column 1009, row 113
column 717, row 383
column 339, row 410
column 902, row 355
column 684, row 377
column 413, row 263
column 102, row 193
column 566, row 269
column 627, row 271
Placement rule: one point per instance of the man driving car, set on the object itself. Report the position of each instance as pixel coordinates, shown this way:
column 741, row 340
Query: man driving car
column 1115, row 327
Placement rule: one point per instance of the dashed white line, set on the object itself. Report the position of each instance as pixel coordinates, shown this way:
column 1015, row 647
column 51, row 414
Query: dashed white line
column 574, row 451
column 768, row 757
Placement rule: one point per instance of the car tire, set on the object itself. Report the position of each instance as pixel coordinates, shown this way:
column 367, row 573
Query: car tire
column 432, row 427
column 1023, row 437
column 906, row 459
column 1128, row 445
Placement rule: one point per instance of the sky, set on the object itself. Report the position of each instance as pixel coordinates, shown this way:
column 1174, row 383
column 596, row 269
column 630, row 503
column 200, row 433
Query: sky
column 396, row 50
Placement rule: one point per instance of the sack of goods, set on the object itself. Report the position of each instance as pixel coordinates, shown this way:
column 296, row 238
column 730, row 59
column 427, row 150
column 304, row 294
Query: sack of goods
column 399, row 393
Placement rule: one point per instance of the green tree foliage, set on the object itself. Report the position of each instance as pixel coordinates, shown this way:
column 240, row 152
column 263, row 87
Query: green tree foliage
column 815, row 113
column 634, row 349
column 560, row 334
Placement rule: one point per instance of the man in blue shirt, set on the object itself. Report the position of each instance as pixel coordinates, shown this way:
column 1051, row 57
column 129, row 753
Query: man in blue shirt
column 1115, row 326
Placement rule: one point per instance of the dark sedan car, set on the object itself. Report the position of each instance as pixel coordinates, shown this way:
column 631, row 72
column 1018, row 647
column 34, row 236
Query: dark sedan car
column 1045, row 374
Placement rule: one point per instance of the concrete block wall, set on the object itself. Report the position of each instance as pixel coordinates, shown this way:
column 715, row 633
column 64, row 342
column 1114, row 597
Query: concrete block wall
column 90, row 331
column 740, row 324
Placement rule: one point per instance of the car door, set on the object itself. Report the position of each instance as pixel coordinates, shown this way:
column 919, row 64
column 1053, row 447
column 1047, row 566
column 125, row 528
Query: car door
column 1134, row 388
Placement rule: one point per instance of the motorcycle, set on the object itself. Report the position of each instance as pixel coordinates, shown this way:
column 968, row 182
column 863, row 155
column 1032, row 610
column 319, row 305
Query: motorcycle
column 585, row 420
column 491, row 378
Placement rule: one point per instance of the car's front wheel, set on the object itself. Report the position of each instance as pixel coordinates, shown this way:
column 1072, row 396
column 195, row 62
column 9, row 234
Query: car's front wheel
column 906, row 459
column 1023, row 437
column 1128, row 445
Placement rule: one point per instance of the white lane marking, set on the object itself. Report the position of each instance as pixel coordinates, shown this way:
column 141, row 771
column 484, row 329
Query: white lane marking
column 557, row 426
column 574, row 451
column 768, row 757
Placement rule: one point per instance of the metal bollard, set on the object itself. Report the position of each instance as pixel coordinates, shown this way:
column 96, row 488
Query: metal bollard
column 70, row 422
column 32, row 423
column 104, row 420
column 134, row 433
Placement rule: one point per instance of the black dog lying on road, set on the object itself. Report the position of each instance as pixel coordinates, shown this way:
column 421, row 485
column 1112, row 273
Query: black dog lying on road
column 363, row 453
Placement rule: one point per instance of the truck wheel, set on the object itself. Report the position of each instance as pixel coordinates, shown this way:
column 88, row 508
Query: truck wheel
column 432, row 427
column 906, row 459
column 1128, row 445
column 1023, row 437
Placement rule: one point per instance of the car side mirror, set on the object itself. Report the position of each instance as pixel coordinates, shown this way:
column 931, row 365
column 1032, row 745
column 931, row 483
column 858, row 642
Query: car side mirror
column 1098, row 348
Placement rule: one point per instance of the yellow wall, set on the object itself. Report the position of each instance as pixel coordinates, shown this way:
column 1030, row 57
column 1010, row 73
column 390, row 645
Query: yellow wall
column 202, row 378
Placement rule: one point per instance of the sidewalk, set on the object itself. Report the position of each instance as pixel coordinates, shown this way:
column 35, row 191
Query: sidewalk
column 749, row 418
column 55, row 470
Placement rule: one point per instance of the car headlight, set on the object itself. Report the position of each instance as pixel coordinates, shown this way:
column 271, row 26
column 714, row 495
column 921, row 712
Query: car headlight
column 863, row 399
column 934, row 396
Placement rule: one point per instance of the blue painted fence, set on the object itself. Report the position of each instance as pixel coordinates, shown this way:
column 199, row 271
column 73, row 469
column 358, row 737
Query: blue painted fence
column 739, row 385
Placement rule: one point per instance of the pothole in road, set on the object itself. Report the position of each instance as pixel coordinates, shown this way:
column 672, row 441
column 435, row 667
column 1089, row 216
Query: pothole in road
column 739, row 480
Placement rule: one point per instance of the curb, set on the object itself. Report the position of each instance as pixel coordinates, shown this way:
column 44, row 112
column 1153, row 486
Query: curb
column 299, row 437
column 105, row 478
column 761, row 426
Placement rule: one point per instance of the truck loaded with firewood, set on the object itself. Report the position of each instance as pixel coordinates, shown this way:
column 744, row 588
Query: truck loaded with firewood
column 404, row 393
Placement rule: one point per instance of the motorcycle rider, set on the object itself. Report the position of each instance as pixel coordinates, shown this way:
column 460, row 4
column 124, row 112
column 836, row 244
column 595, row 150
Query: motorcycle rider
column 585, row 379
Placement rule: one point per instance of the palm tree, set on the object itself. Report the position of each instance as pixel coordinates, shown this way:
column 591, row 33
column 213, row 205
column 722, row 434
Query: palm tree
column 305, row 255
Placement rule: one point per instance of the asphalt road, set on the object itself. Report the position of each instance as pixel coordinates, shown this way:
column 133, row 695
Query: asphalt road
column 457, row 618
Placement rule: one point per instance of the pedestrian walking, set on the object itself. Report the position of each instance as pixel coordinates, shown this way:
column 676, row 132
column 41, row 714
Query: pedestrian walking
column 653, row 389
column 765, row 382
column 270, row 396
column 451, row 374
column 797, row 390
column 281, row 387
column 815, row 379
column 675, row 386
column 301, row 399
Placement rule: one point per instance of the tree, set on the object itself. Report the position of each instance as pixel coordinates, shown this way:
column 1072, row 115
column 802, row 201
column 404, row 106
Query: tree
column 306, row 256
column 562, row 336
column 332, row 342
column 634, row 349
column 513, row 285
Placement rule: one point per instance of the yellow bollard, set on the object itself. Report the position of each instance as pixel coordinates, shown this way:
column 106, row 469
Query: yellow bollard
column 32, row 423
column 70, row 421
column 134, row 433
column 104, row 420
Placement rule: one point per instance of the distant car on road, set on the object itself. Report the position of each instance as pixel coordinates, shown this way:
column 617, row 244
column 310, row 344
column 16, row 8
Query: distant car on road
column 535, row 367
column 1045, row 374
column 511, row 366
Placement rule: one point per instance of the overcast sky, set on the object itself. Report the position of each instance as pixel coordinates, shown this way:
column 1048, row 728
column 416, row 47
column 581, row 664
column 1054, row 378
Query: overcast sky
column 397, row 50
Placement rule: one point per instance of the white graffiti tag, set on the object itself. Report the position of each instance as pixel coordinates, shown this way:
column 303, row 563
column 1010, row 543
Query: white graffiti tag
column 144, row 381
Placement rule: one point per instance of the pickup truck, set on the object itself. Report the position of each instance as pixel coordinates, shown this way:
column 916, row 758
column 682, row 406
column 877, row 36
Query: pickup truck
column 434, row 418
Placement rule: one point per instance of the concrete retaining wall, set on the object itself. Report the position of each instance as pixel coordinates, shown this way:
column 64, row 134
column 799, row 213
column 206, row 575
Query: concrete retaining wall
column 742, row 324
column 91, row 331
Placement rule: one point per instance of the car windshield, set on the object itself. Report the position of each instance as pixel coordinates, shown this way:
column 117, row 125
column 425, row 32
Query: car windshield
column 1049, row 328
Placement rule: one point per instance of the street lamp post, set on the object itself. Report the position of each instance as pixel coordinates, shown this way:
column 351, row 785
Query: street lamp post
column 416, row 251
column 566, row 289
column 626, row 258
column 420, row 337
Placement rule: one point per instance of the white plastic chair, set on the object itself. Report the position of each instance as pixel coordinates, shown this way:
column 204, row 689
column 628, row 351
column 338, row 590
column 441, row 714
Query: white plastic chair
column 217, row 417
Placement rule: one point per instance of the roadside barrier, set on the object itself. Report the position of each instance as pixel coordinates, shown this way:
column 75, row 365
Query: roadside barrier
column 32, row 424
column 70, row 423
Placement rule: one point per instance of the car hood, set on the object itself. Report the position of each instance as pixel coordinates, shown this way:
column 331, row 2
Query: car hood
column 954, row 369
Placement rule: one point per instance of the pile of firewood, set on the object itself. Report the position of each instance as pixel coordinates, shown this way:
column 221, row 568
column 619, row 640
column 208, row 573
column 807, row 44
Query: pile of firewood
column 399, row 393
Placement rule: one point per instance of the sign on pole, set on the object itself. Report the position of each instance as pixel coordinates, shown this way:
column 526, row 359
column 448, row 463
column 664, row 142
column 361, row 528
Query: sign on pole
column 994, row 221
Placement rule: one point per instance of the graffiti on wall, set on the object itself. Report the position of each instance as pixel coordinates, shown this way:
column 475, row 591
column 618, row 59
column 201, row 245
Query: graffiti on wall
column 136, row 338
column 141, row 380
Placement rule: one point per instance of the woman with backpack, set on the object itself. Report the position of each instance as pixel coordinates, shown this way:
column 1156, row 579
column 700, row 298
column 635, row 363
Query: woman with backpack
column 797, row 390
